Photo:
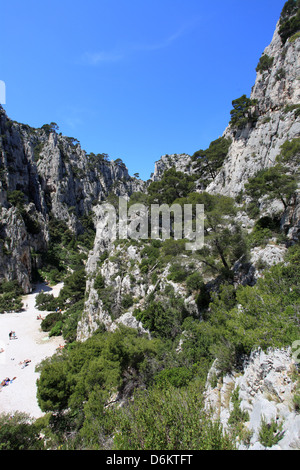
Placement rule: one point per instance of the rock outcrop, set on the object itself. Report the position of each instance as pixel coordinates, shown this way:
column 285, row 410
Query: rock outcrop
column 277, row 91
column 265, row 389
column 44, row 174
column 182, row 163
column 255, row 146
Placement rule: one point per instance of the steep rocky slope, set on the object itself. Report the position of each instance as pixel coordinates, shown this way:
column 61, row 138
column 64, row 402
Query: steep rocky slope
column 262, row 393
column 256, row 144
column 277, row 91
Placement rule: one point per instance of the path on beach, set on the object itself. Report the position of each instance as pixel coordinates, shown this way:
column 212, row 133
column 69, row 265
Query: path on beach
column 31, row 343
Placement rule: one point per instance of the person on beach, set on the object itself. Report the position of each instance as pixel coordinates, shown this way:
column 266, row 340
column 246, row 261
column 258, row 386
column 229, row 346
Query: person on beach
column 5, row 382
column 24, row 363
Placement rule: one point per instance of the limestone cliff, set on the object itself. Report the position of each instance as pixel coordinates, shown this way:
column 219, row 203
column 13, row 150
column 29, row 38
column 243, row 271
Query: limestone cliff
column 43, row 174
column 277, row 91
column 262, row 392
column 255, row 145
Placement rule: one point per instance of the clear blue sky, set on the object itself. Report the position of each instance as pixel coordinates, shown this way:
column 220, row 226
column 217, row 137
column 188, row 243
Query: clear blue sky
column 135, row 79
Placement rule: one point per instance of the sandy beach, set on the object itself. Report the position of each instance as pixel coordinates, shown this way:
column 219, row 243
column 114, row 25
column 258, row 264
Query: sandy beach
column 31, row 343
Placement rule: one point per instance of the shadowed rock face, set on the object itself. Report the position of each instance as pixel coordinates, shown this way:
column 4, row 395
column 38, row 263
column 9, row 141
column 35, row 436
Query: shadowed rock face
column 52, row 175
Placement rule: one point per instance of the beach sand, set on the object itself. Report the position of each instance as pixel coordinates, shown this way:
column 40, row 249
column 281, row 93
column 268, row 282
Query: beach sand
column 31, row 343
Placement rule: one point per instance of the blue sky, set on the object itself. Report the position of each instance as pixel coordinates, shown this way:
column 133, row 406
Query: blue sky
column 135, row 79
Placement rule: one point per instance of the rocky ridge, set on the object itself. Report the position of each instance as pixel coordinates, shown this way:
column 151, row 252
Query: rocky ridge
column 276, row 90
column 55, row 178
column 256, row 146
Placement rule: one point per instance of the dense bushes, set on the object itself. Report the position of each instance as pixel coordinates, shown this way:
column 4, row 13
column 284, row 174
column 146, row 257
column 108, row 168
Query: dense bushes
column 70, row 301
column 19, row 432
column 10, row 296
column 289, row 20
column 96, row 365
column 168, row 419
column 209, row 161
column 49, row 322
column 243, row 112
column 173, row 185
column 77, row 384
column 265, row 63
column 240, row 320
column 163, row 317
column 265, row 315
column 166, row 415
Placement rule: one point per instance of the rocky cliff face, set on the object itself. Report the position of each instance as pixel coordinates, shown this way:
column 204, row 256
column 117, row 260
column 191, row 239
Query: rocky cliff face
column 182, row 163
column 43, row 174
column 264, row 392
column 277, row 91
column 255, row 145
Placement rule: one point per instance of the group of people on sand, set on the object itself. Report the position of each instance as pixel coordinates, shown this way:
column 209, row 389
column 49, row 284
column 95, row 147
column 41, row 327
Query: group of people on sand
column 12, row 335
column 7, row 381
column 24, row 363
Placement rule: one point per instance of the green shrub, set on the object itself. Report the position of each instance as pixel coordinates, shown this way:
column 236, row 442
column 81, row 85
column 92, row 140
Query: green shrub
column 56, row 330
column 177, row 377
column 242, row 112
column 289, row 20
column 70, row 321
column 9, row 302
column 225, row 354
column 290, row 150
column 99, row 282
column 16, row 198
column 173, row 247
column 127, row 301
column 164, row 319
column 194, row 282
column 167, row 419
column 237, row 416
column 46, row 302
column 259, row 237
column 270, row 433
column 265, row 63
column 10, row 296
column 178, row 273
column 18, row 431
column 49, row 322
column 294, row 37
